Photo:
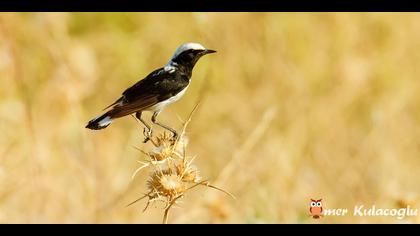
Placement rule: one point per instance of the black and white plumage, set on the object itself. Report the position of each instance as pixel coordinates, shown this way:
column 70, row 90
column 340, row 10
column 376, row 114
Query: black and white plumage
column 159, row 89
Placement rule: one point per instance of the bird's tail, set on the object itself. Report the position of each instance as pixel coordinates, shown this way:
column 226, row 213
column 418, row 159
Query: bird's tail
column 100, row 122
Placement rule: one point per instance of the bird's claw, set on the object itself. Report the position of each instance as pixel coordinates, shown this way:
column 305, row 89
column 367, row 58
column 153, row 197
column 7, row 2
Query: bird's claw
column 174, row 138
column 147, row 134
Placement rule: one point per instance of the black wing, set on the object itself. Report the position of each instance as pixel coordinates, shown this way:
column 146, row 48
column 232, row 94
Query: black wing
column 143, row 85
column 156, row 87
column 160, row 83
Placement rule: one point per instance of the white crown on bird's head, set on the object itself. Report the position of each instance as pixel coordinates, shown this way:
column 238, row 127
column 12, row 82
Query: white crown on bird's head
column 187, row 46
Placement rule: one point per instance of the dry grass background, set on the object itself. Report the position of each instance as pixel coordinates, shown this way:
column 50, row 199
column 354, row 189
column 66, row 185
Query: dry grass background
column 296, row 106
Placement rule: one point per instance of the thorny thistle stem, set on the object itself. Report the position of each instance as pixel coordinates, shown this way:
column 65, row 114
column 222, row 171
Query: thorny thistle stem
column 172, row 173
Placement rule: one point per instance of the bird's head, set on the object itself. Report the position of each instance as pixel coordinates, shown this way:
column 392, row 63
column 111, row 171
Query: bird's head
column 188, row 54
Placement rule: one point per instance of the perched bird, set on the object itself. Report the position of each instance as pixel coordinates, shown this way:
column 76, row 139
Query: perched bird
column 160, row 88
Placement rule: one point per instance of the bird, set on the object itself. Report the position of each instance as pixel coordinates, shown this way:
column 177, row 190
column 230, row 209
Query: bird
column 316, row 209
column 156, row 91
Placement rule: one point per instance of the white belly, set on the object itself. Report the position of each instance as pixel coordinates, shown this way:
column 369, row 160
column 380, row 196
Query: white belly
column 159, row 106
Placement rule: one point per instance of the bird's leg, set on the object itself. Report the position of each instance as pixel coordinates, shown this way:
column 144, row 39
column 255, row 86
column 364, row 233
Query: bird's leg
column 147, row 133
column 155, row 114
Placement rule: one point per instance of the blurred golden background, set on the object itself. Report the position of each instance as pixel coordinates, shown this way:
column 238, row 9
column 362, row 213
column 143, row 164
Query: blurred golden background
column 294, row 106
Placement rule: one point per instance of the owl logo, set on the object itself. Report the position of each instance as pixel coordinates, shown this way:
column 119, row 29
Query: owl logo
column 316, row 209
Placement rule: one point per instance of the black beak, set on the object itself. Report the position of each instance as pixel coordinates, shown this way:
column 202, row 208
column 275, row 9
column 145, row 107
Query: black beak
column 208, row 51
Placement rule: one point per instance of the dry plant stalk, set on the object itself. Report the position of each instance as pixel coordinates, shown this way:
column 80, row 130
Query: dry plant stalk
column 172, row 173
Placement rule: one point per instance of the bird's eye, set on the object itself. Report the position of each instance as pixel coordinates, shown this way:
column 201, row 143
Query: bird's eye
column 319, row 204
column 313, row 204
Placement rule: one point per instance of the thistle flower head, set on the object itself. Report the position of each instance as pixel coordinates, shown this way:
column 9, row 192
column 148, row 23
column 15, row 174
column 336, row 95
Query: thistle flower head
column 166, row 184
column 188, row 173
column 163, row 148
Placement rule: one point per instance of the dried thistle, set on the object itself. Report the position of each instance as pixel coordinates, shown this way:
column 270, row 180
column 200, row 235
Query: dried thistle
column 161, row 152
column 173, row 173
column 166, row 183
